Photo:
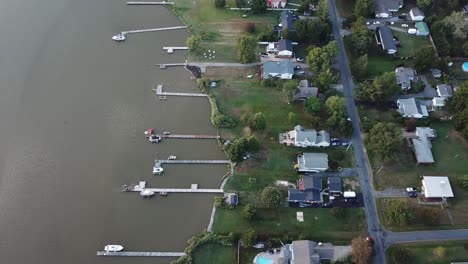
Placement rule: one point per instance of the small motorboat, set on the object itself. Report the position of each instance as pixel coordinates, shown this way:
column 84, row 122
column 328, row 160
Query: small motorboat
column 146, row 193
column 172, row 157
column 157, row 170
column 113, row 248
column 149, row 132
column 119, row 37
column 163, row 193
column 154, row 139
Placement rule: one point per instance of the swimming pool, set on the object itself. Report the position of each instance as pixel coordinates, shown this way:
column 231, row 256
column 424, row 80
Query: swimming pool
column 264, row 260
column 465, row 66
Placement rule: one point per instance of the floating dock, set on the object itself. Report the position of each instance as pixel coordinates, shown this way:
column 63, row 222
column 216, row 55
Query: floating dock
column 150, row 3
column 193, row 189
column 158, row 163
column 170, row 50
column 139, row 254
column 164, row 66
column 159, row 91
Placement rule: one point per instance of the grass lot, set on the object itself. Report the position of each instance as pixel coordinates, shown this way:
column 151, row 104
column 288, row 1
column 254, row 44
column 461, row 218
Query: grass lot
column 410, row 43
column 318, row 225
column 377, row 65
column 215, row 253
column 423, row 252
column 345, row 7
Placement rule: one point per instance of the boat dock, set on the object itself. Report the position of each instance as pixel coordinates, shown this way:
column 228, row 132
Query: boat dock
column 158, row 163
column 139, row 254
column 164, row 66
column 151, row 30
column 150, row 3
column 141, row 186
column 170, row 50
column 191, row 136
column 162, row 95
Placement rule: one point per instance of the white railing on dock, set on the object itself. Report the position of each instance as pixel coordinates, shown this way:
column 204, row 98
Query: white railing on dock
column 159, row 91
column 193, row 189
column 150, row 3
column 158, row 163
column 151, row 30
column 170, row 50
column 191, row 136
column 139, row 254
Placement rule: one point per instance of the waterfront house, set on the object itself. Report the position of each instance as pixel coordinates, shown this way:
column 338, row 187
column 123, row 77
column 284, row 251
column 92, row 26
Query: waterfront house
column 385, row 8
column 278, row 69
column 300, row 137
column 384, row 38
column 334, row 185
column 437, row 187
column 416, row 14
column 412, row 108
column 277, row 3
column 312, row 162
column 422, row 29
column 422, row 145
column 404, row 77
column 309, row 191
column 444, row 90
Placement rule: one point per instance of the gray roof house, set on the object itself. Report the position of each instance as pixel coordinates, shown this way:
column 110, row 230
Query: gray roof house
column 416, row 14
column 384, row 38
column 285, row 48
column 404, row 77
column 436, row 73
column 412, row 108
column 384, row 8
column 312, row 162
column 309, row 190
column 278, row 69
column 305, row 91
column 334, row 185
column 299, row 252
column 444, row 90
column 465, row 9
column 286, row 21
column 422, row 145
column 300, row 137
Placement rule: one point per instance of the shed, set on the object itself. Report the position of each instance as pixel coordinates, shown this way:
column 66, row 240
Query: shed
column 422, row 29
column 232, row 199
column 416, row 14
column 437, row 187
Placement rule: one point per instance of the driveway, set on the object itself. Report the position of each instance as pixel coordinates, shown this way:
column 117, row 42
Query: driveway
column 429, row 91
column 391, row 193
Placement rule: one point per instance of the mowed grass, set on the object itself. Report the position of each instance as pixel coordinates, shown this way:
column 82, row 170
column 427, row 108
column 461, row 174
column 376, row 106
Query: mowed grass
column 215, row 253
column 456, row 251
column 318, row 223
column 378, row 65
column 410, row 43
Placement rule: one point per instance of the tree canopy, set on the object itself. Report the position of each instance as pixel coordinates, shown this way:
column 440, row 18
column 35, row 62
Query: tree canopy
column 423, row 4
column 271, row 197
column 425, row 58
column 359, row 67
column 259, row 6
column 312, row 105
column 362, row 250
column 319, row 59
column 380, row 90
column 249, row 238
column 322, row 9
column 311, row 31
column 246, row 49
column 364, row 8
column 360, row 37
column 220, row 3
column 338, row 118
column 384, row 140
column 258, row 122
column 459, row 24
column 193, row 42
column 289, row 90
column 458, row 106
column 398, row 212
column 249, row 211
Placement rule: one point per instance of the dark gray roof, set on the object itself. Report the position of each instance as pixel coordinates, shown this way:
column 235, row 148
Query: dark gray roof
column 286, row 20
column 232, row 199
column 295, row 195
column 280, row 67
column 386, row 37
column 465, row 8
column 416, row 11
column 285, row 44
column 312, row 183
column 334, row 184
column 384, row 6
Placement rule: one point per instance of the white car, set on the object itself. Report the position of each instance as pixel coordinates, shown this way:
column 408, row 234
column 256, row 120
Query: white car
column 377, row 22
column 367, row 23
column 404, row 25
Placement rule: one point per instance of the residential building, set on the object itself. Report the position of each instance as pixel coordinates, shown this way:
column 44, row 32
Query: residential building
column 231, row 199
column 437, row 187
column 422, row 29
column 438, row 102
column 309, row 191
column 305, row 91
column 385, row 8
column 436, row 73
column 416, row 14
column 300, row 137
column 444, row 90
column 312, row 162
column 278, row 69
column 286, row 21
column 412, row 108
column 334, row 185
column 422, row 145
column 282, row 48
column 404, row 77
column 298, row 252
column 384, row 38
column 277, row 3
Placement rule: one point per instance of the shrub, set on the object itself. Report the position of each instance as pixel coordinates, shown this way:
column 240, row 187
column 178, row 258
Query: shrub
column 271, row 197
column 400, row 255
column 250, row 28
column 220, row 3
column 439, row 252
column 249, row 211
column 463, row 182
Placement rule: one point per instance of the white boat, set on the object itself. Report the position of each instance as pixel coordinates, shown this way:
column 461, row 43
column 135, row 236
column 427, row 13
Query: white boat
column 146, row 193
column 154, row 138
column 113, row 248
column 119, row 37
column 172, row 157
column 157, row 170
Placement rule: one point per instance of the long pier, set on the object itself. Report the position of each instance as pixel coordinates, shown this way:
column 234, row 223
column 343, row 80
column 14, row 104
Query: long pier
column 191, row 136
column 150, row 3
column 170, row 50
column 141, row 186
column 165, row 65
column 139, row 254
column 159, row 91
column 151, row 30
column 158, row 163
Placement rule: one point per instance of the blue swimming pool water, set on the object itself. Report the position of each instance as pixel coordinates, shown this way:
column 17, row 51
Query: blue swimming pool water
column 465, row 66
column 263, row 260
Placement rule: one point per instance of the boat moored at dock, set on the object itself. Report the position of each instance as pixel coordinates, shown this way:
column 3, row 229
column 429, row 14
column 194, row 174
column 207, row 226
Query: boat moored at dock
column 146, row 193
column 157, row 170
column 119, row 37
column 113, row 248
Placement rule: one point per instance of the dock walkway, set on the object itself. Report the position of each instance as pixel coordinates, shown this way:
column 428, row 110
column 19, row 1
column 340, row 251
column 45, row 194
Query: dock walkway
column 159, row 91
column 150, row 3
column 191, row 136
column 139, row 254
column 170, row 50
column 141, row 186
column 158, row 163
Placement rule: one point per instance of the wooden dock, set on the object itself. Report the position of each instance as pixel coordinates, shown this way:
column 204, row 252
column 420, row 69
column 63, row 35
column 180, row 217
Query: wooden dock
column 158, row 163
column 191, row 136
column 193, row 189
column 139, row 254
column 170, row 50
column 151, row 30
column 159, row 91
column 150, row 3
column 164, row 66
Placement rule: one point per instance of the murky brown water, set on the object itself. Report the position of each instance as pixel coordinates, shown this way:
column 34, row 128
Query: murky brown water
column 73, row 108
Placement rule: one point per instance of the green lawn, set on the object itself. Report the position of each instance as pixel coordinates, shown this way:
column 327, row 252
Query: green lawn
column 456, row 251
column 318, row 223
column 215, row 253
column 410, row 43
column 345, row 7
column 379, row 64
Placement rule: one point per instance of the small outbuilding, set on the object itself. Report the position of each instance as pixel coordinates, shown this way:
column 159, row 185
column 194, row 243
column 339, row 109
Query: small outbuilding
column 416, row 14
column 422, row 29
column 334, row 185
column 436, row 73
column 231, row 199
column 437, row 187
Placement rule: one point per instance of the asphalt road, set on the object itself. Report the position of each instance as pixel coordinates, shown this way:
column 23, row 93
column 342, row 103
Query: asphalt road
column 374, row 228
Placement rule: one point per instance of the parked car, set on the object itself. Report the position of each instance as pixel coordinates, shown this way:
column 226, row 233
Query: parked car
column 299, row 60
column 335, row 139
column 404, row 25
column 402, row 17
column 297, row 67
column 335, row 143
column 412, row 192
column 367, row 23
column 344, row 143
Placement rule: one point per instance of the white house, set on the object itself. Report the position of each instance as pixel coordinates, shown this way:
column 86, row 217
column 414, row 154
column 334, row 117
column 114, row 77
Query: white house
column 437, row 187
column 438, row 102
column 278, row 69
column 444, row 90
column 385, row 8
column 300, row 137
column 412, row 108
column 285, row 49
column 312, row 162
column 416, row 14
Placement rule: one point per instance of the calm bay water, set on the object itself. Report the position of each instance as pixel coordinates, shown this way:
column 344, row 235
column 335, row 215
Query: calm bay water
column 73, row 108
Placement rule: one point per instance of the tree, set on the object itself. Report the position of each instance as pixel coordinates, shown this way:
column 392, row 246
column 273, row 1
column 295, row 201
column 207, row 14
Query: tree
column 439, row 252
column 271, row 197
column 219, row 201
column 360, row 37
column 259, row 6
column 193, row 42
column 359, row 67
column 384, row 140
column 424, row 4
column 380, row 90
column 338, row 118
column 249, row 211
column 463, row 182
column 364, row 8
column 251, row 143
column 258, row 122
column 249, row 238
column 245, row 118
column 400, row 255
column 289, row 90
column 361, row 250
column 460, row 119
column 440, row 32
column 220, row 3
column 319, row 59
column 460, row 99
column 236, row 150
column 398, row 212
column 324, row 78
column 322, row 9
column 336, row 105
column 311, row 31
column 312, row 105
column 459, row 24
column 465, row 49
column 246, row 49
column 424, row 58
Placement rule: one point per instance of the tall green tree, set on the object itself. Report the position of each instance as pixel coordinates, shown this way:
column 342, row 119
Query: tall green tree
column 458, row 106
column 193, row 42
column 364, row 8
column 271, row 197
column 312, row 105
column 423, row 4
column 249, row 238
column 324, row 78
column 359, row 67
column 338, row 118
column 258, row 122
column 319, row 59
column 459, row 24
column 360, row 37
column 384, row 140
column 249, row 211
column 322, row 9
column 220, row 3
column 259, row 6
column 311, row 31
column 378, row 91
column 425, row 58
column 289, row 90
column 441, row 34
column 246, row 49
